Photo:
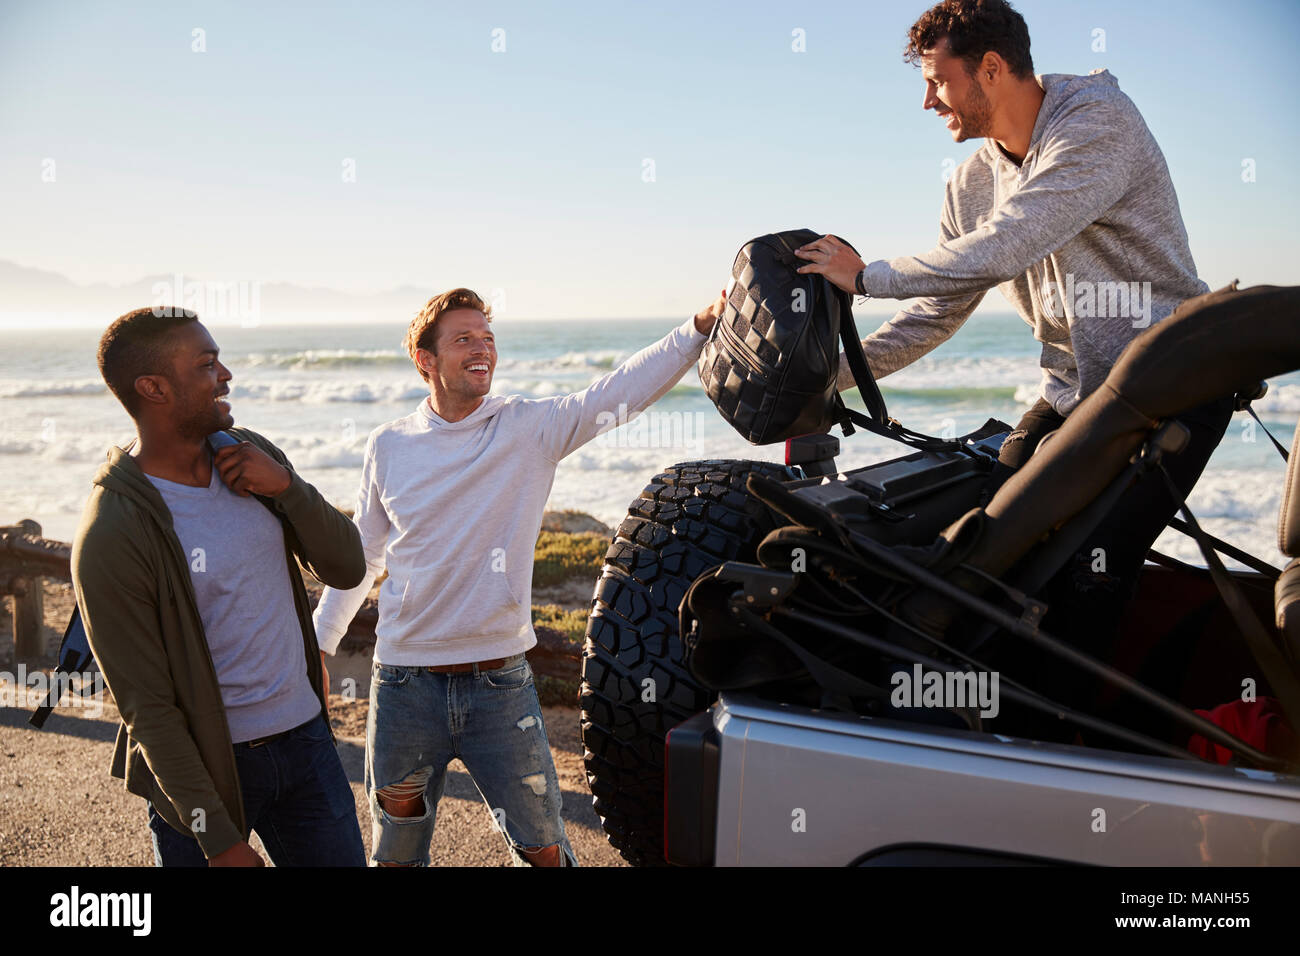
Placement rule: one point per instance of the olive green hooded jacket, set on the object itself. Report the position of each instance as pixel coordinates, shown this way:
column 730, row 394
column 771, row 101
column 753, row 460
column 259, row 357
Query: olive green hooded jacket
column 137, row 602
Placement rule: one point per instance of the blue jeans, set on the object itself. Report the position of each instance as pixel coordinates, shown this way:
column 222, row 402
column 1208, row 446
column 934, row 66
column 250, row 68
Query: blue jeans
column 491, row 720
column 296, row 798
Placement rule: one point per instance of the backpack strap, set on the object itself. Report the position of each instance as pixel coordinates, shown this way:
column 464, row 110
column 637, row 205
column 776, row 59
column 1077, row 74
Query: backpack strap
column 857, row 360
column 1276, row 444
column 877, row 420
column 852, row 346
column 74, row 658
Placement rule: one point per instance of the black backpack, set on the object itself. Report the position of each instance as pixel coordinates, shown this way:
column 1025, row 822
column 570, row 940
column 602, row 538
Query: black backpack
column 771, row 362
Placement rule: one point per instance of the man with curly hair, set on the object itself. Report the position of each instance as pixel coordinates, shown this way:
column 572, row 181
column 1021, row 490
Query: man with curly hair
column 1068, row 208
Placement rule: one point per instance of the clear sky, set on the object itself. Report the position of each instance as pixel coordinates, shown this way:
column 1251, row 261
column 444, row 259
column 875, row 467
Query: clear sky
column 525, row 169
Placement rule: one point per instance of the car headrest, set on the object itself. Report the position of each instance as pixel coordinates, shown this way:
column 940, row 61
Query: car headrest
column 1288, row 521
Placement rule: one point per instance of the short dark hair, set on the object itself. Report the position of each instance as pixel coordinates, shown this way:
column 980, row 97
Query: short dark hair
column 136, row 344
column 973, row 28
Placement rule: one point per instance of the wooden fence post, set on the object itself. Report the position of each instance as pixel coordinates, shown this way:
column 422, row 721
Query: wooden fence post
column 28, row 603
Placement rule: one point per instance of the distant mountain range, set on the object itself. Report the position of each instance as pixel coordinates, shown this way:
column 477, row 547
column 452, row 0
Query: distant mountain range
column 25, row 291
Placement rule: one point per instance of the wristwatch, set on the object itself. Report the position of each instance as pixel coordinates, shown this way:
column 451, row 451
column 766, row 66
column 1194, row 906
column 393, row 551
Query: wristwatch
column 860, row 285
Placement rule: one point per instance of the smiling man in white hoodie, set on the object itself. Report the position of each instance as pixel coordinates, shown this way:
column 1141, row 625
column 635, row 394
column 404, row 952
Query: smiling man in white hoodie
column 451, row 502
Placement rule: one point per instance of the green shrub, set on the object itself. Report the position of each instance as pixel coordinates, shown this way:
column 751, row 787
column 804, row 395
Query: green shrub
column 554, row 692
column 559, row 557
column 572, row 624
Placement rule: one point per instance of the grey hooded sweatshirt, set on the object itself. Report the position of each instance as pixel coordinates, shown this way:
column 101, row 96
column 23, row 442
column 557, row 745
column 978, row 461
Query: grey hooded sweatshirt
column 1084, row 238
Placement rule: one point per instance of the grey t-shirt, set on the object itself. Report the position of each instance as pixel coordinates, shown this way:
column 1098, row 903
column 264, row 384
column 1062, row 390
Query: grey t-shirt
column 235, row 549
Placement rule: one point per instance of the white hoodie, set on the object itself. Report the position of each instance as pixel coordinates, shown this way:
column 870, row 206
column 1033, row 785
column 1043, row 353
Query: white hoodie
column 453, row 510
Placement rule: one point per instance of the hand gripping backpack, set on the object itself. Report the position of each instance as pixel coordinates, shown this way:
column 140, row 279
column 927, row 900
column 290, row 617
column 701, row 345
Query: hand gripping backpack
column 771, row 362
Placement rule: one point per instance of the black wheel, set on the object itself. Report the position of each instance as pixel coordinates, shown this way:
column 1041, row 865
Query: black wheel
column 635, row 682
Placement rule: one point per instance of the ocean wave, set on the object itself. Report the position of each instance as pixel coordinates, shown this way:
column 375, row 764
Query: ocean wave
column 606, row 359
column 395, row 392
column 1281, row 399
column 309, row 358
column 327, row 358
column 19, row 446
column 1238, row 505
column 329, row 392
column 396, row 358
column 1239, row 494
column 940, row 372
column 65, row 445
column 308, row 454
column 600, row 360
column 56, row 389
column 689, row 386
column 960, row 394
column 1028, row 394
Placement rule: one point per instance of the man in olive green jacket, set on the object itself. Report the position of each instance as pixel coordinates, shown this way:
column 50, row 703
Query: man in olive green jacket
column 204, row 714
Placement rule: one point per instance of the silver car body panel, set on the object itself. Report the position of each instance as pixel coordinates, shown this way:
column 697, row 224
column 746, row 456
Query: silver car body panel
column 816, row 788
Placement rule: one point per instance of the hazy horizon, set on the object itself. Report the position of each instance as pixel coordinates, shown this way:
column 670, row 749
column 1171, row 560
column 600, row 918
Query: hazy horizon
column 402, row 304
column 589, row 161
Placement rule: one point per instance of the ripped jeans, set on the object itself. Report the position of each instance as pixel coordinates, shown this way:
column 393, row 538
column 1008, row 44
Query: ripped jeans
column 491, row 720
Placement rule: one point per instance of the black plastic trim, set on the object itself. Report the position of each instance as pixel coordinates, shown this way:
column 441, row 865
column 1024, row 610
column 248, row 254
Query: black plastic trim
column 691, row 763
column 935, row 854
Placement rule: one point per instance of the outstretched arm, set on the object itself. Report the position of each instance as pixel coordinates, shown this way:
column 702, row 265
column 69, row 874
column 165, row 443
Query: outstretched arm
column 570, row 421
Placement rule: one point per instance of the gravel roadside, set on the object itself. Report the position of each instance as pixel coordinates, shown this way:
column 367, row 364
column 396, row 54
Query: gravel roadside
column 60, row 807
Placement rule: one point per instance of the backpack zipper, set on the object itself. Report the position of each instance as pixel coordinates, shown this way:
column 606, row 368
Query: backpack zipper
column 742, row 351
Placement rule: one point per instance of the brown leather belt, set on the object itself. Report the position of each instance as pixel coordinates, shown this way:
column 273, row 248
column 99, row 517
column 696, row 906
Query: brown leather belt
column 466, row 668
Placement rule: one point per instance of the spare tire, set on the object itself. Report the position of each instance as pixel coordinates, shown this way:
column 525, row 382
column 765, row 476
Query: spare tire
column 636, row 685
